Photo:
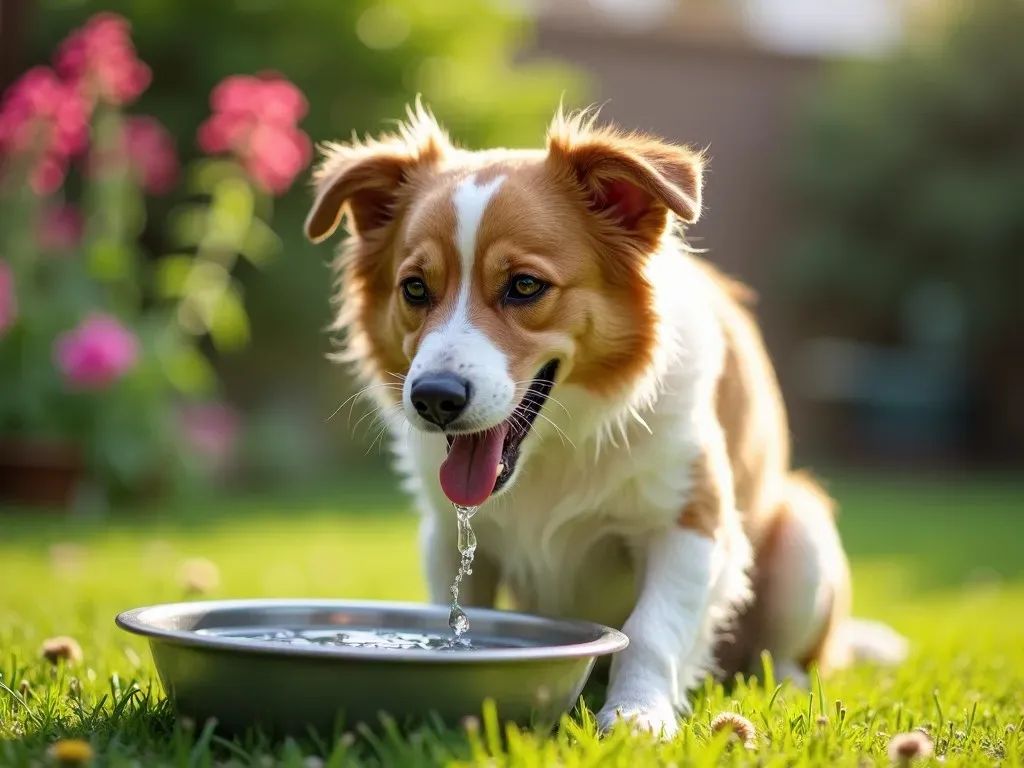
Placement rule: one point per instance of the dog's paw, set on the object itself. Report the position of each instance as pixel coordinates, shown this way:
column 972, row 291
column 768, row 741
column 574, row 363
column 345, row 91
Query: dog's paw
column 796, row 674
column 642, row 718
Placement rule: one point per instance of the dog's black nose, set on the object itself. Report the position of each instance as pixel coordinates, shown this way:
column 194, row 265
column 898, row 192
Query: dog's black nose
column 440, row 397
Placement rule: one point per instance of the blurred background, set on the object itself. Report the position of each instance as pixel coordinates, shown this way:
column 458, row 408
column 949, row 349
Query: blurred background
column 866, row 179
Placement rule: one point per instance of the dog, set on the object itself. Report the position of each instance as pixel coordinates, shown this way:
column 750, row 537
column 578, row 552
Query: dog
column 544, row 346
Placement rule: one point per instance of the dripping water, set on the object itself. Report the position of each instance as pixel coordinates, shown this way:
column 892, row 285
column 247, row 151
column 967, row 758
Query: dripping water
column 457, row 618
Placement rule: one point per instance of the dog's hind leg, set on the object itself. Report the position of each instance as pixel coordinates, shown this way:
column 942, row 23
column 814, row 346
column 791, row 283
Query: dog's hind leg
column 802, row 586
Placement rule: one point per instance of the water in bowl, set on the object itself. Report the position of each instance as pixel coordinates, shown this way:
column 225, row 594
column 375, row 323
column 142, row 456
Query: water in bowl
column 352, row 637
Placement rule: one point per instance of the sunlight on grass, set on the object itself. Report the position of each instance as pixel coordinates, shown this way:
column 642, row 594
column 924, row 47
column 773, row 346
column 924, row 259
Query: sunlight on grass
column 948, row 578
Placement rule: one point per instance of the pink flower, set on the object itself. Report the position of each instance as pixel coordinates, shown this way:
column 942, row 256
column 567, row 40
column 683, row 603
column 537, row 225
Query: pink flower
column 40, row 96
column 223, row 131
column 276, row 155
column 97, row 353
column 269, row 98
column 211, row 429
column 8, row 301
column 151, row 152
column 43, row 119
column 48, row 174
column 100, row 60
column 256, row 118
column 235, row 94
column 61, row 228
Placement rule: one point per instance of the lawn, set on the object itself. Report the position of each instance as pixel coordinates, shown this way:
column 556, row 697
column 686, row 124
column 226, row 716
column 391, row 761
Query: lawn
column 940, row 560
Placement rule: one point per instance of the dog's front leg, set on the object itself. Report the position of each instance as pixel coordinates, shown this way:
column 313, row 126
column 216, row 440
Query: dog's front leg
column 439, row 551
column 649, row 679
column 693, row 577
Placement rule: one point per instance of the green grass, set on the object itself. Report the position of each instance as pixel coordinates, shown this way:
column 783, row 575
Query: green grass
column 941, row 561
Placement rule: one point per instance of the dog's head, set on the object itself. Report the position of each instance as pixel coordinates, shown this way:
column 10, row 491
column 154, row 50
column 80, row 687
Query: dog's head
column 484, row 279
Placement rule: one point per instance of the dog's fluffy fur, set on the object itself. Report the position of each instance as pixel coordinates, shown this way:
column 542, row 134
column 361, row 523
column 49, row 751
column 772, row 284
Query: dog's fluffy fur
column 654, row 491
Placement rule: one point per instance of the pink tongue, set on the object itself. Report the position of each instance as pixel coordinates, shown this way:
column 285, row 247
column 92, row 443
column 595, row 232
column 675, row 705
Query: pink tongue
column 469, row 472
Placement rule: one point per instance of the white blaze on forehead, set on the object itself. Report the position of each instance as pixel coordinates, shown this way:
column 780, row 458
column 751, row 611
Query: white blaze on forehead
column 471, row 201
column 456, row 346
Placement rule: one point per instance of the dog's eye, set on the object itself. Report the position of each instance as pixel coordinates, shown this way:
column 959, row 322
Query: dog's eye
column 524, row 288
column 415, row 291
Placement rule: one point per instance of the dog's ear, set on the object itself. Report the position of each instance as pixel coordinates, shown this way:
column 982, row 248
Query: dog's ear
column 364, row 178
column 630, row 180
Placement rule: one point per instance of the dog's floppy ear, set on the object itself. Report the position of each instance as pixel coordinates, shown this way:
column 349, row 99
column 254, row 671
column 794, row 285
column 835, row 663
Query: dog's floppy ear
column 631, row 180
column 363, row 178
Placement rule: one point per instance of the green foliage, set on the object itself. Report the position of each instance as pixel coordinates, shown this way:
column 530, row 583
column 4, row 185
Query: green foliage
column 946, row 571
column 912, row 170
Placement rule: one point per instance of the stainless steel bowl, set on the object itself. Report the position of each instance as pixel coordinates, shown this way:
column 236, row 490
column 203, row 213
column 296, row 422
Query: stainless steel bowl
column 533, row 668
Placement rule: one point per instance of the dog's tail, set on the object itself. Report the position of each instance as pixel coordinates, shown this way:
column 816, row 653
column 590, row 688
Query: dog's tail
column 850, row 640
column 872, row 642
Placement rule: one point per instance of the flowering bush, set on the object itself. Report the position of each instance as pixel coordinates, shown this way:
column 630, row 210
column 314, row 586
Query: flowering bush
column 100, row 343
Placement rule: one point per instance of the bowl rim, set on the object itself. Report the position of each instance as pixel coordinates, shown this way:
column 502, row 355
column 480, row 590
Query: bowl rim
column 606, row 640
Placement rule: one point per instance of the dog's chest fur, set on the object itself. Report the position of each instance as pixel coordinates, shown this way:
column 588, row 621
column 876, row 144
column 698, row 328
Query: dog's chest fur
column 564, row 536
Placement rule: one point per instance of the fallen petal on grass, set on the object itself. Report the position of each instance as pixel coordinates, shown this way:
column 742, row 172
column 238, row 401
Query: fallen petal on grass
column 347, row 740
column 67, row 559
column 742, row 728
column 907, row 747
column 198, row 575
column 58, row 649
column 71, row 752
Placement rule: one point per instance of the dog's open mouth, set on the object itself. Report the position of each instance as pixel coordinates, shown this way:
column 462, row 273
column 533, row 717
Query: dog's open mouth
column 480, row 463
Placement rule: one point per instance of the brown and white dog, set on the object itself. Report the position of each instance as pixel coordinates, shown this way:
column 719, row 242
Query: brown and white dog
column 546, row 348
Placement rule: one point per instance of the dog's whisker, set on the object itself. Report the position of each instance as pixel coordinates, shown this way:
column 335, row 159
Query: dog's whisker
column 520, row 422
column 558, row 402
column 380, row 416
column 374, row 407
column 352, row 398
column 378, row 441
column 373, row 412
column 520, row 388
column 561, row 433
column 387, row 422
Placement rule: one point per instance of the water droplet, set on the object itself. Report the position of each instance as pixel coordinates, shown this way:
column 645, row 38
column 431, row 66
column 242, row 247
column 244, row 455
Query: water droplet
column 458, row 621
